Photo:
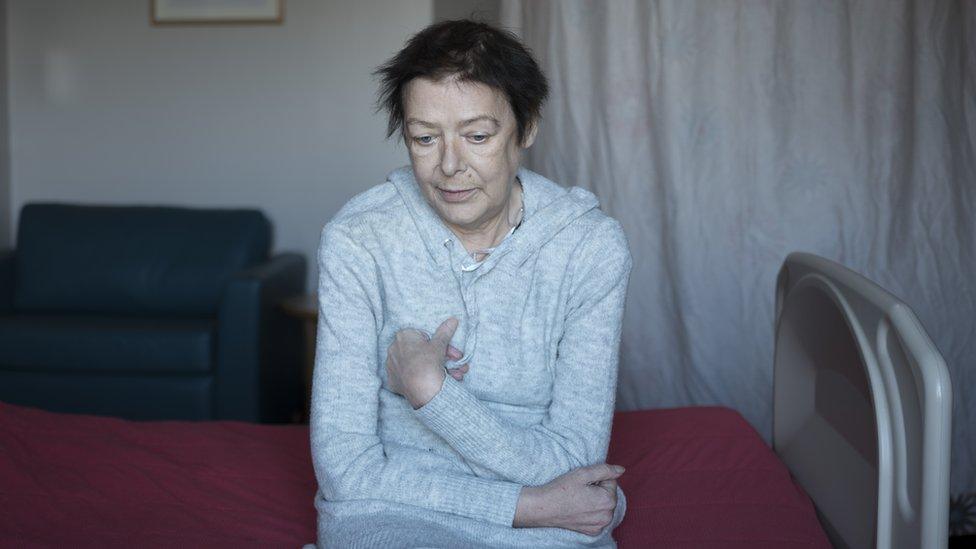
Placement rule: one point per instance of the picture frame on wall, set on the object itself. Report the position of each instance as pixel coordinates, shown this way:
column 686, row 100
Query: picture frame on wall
column 216, row 12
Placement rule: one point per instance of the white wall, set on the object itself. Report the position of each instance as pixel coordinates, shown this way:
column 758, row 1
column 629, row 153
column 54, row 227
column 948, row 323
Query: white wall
column 105, row 108
column 481, row 10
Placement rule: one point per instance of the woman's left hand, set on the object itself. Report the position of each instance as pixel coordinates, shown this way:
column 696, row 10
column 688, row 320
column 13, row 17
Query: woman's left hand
column 415, row 366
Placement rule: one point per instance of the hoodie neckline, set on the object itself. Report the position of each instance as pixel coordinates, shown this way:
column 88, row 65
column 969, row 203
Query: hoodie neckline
column 548, row 208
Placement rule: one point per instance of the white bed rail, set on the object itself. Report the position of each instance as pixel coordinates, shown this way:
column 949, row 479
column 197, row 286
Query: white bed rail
column 861, row 408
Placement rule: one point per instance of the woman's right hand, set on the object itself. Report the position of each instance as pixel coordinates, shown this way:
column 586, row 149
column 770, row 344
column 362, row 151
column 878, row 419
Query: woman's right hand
column 582, row 500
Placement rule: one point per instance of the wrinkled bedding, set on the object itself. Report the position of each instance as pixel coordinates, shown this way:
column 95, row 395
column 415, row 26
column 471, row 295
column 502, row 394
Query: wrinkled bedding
column 696, row 477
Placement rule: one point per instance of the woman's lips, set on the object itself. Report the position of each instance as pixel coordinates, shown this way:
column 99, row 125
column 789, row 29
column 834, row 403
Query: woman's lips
column 455, row 196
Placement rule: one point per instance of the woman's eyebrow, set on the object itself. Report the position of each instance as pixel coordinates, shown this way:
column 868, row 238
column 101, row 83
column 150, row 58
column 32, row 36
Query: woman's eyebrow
column 421, row 122
column 486, row 117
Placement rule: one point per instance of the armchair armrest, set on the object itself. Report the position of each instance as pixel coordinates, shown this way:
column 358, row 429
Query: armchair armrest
column 259, row 372
column 6, row 281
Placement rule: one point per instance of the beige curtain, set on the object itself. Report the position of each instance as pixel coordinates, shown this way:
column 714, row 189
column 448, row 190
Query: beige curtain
column 724, row 135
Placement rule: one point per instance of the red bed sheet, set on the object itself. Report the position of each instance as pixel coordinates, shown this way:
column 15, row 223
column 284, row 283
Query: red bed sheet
column 696, row 477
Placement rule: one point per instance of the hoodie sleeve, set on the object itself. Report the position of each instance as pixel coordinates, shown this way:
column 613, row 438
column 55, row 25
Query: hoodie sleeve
column 347, row 453
column 576, row 430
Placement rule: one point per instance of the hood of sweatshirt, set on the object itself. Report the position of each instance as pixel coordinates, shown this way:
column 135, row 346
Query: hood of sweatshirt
column 548, row 208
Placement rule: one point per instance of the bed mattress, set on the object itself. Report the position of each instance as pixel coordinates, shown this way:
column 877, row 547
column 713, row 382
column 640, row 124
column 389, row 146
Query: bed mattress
column 696, row 477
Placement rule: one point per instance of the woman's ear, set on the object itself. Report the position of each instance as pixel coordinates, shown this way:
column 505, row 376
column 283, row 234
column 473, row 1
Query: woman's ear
column 530, row 132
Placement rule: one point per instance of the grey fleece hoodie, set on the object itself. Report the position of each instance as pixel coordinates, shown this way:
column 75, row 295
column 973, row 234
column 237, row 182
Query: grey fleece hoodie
column 540, row 327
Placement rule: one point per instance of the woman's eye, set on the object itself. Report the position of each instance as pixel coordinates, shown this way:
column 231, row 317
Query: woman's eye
column 424, row 139
column 478, row 138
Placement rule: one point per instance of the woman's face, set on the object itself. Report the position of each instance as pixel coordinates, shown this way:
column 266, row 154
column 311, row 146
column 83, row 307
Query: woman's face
column 464, row 149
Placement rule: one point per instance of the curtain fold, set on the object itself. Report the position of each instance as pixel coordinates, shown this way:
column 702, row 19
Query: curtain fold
column 725, row 135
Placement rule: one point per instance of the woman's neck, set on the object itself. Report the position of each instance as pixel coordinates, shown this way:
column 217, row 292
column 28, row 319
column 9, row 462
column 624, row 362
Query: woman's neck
column 497, row 230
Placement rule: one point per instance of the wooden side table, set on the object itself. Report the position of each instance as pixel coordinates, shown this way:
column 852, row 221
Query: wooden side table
column 306, row 308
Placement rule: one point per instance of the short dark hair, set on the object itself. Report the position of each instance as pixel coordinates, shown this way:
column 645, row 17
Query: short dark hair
column 473, row 52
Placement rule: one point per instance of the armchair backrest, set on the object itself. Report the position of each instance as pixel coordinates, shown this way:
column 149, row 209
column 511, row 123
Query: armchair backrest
column 132, row 260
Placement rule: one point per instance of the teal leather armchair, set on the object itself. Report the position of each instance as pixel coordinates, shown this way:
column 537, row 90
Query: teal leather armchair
column 148, row 312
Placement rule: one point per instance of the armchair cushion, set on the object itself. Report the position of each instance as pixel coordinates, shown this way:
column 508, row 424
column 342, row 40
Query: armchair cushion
column 130, row 396
column 132, row 260
column 50, row 343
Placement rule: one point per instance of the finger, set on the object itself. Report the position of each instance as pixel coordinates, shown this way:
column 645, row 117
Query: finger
column 458, row 373
column 445, row 331
column 453, row 353
column 592, row 474
column 610, row 485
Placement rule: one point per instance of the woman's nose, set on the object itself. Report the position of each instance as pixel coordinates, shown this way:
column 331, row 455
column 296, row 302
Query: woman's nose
column 451, row 158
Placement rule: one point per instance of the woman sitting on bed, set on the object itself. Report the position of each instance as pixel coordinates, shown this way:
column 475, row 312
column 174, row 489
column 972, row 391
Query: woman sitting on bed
column 469, row 323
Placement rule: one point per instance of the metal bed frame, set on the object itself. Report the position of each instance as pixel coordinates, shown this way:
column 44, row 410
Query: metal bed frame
column 861, row 408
